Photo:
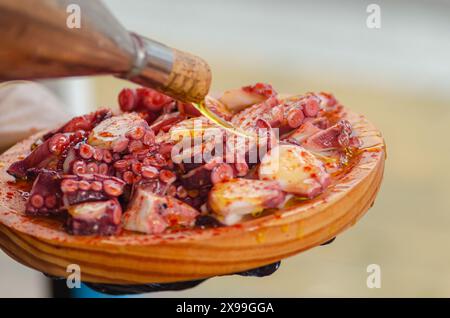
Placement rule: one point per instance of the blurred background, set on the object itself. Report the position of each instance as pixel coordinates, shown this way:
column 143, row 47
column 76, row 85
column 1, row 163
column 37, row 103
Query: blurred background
column 397, row 75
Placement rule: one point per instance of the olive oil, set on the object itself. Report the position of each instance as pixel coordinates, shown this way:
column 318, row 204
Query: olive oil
column 205, row 111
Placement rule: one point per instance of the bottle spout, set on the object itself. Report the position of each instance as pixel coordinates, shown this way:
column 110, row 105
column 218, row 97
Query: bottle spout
column 178, row 74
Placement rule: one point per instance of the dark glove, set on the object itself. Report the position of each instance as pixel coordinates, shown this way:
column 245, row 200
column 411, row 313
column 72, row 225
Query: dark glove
column 114, row 289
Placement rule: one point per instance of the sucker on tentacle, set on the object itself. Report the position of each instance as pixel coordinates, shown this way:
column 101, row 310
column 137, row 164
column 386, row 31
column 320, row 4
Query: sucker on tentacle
column 89, row 188
column 45, row 155
column 99, row 218
column 152, row 213
column 45, row 196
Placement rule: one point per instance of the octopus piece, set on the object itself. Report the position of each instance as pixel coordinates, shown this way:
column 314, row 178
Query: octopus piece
column 152, row 213
column 262, row 89
column 192, row 128
column 188, row 110
column 246, row 118
column 221, row 173
column 327, row 100
column 84, row 158
column 146, row 101
column 311, row 103
column 46, row 155
column 295, row 169
column 166, row 121
column 126, row 132
column 213, row 104
column 161, row 188
column 85, row 122
column 194, row 141
column 45, row 196
column 212, row 173
column 196, row 198
column 141, row 99
column 90, row 188
column 302, row 133
column 198, row 141
column 232, row 200
column 236, row 100
column 337, row 136
column 149, row 166
column 155, row 186
column 218, row 108
column 285, row 115
column 94, row 218
column 205, row 154
column 296, row 110
column 196, row 178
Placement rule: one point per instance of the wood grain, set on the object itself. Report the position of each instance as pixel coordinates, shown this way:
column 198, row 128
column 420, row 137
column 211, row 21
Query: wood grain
column 131, row 258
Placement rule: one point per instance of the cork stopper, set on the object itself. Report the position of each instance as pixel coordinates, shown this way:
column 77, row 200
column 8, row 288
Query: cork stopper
column 189, row 79
column 181, row 75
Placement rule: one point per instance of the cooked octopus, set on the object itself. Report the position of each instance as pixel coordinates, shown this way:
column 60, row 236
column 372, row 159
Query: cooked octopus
column 157, row 165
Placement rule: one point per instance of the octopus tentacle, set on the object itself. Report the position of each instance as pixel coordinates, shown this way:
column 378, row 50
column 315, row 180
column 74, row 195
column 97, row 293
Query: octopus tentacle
column 103, row 217
column 89, row 188
column 335, row 137
column 45, row 155
column 45, row 196
column 152, row 213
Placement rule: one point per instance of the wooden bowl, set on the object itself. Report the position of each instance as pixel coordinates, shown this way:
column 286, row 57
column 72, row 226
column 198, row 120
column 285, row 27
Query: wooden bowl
column 133, row 258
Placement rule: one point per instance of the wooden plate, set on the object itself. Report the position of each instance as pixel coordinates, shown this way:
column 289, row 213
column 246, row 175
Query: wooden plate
column 131, row 258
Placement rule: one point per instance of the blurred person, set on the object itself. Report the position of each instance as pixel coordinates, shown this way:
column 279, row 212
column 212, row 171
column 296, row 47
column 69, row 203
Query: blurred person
column 25, row 109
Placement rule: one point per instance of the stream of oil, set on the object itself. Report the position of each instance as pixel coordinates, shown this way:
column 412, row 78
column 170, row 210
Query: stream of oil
column 205, row 111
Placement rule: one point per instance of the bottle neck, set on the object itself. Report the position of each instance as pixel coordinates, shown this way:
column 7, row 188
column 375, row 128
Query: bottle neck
column 178, row 74
column 152, row 64
column 37, row 43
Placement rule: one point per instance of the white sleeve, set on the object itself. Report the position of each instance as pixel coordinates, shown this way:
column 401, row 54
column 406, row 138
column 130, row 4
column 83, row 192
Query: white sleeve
column 26, row 108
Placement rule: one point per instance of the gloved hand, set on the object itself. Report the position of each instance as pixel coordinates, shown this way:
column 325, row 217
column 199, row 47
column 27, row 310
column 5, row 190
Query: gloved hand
column 113, row 289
